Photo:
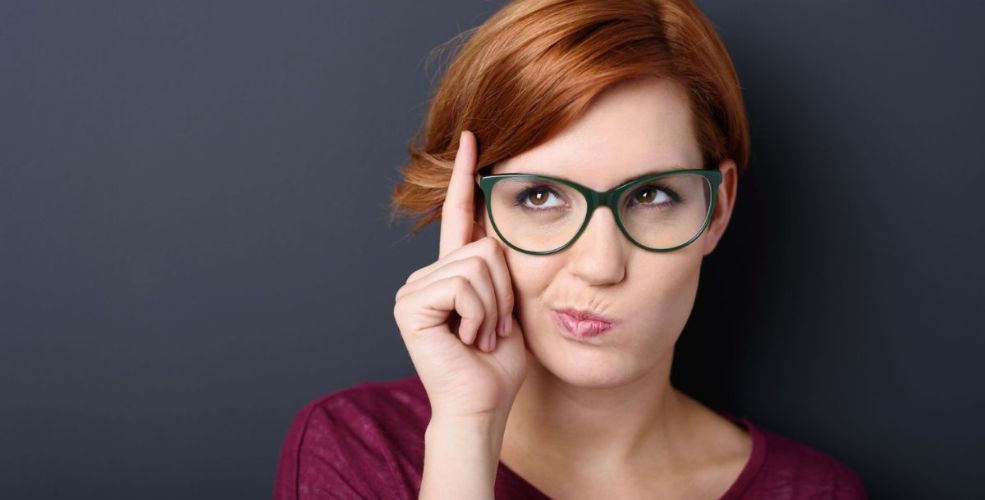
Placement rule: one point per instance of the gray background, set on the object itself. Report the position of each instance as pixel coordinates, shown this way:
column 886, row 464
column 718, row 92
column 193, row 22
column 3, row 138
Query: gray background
column 193, row 240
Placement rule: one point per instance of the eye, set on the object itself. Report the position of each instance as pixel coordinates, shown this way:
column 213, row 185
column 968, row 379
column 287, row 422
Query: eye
column 538, row 197
column 653, row 196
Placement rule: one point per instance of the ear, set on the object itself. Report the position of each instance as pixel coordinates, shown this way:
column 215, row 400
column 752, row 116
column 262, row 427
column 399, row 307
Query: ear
column 724, row 204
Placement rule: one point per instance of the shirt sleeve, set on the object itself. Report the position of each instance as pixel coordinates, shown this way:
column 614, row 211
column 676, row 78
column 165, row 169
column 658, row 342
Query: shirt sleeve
column 323, row 457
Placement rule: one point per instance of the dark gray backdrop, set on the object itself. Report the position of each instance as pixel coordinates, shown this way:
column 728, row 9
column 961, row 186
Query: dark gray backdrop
column 193, row 240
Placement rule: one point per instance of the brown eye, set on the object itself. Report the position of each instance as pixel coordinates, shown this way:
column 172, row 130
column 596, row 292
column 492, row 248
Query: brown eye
column 538, row 197
column 652, row 196
column 647, row 195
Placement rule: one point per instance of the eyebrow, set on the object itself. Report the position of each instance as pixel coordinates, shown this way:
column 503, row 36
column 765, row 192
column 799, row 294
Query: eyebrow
column 652, row 171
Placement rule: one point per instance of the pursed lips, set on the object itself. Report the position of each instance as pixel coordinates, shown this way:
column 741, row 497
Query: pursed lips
column 580, row 315
column 582, row 323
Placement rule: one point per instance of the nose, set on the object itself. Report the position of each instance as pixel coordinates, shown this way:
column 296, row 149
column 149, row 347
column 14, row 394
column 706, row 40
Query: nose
column 599, row 254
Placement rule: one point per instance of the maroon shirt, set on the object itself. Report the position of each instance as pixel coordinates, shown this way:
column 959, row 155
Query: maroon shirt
column 367, row 441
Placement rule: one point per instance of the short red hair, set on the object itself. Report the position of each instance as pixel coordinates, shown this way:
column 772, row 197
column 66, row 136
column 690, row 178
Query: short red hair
column 535, row 66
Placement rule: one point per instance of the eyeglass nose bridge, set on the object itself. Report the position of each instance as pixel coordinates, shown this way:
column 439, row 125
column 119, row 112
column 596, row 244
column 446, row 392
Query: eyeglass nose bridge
column 608, row 198
column 596, row 199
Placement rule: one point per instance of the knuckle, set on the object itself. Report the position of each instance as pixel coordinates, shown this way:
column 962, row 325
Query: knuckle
column 414, row 275
column 508, row 297
column 401, row 293
column 397, row 310
column 476, row 264
column 490, row 244
column 460, row 283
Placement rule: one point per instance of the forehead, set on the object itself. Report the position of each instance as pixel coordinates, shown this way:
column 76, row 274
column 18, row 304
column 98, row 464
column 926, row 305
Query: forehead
column 631, row 129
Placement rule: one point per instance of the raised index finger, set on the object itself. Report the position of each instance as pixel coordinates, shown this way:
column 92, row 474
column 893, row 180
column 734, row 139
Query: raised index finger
column 457, row 210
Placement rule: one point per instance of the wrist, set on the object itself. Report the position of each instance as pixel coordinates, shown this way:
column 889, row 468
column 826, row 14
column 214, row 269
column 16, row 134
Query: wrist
column 484, row 432
column 461, row 456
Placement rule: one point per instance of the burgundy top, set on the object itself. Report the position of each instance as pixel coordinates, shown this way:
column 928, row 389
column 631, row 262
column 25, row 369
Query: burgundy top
column 367, row 441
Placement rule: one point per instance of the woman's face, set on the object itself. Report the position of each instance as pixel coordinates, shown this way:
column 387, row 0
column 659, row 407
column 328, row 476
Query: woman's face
column 630, row 130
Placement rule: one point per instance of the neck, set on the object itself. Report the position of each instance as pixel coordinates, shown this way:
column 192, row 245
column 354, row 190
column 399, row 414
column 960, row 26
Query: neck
column 594, row 429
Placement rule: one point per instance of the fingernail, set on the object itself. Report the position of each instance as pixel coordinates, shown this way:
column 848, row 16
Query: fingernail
column 492, row 343
column 501, row 327
column 509, row 325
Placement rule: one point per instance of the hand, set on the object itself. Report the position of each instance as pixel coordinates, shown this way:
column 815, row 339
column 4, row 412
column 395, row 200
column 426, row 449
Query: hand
column 448, row 309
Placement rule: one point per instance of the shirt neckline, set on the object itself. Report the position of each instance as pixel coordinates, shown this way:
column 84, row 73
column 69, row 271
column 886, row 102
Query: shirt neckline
column 755, row 461
column 734, row 491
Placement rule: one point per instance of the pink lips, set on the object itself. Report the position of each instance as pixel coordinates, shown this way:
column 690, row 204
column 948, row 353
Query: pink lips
column 581, row 324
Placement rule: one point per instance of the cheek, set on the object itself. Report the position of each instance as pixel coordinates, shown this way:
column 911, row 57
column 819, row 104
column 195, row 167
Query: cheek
column 667, row 289
column 530, row 275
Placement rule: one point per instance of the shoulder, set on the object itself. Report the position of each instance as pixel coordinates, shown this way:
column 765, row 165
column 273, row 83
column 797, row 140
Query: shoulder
column 369, row 402
column 357, row 440
column 782, row 467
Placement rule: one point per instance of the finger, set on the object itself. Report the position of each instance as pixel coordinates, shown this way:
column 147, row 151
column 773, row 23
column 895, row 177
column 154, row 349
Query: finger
column 492, row 251
column 432, row 306
column 457, row 210
column 476, row 270
column 457, row 254
column 502, row 283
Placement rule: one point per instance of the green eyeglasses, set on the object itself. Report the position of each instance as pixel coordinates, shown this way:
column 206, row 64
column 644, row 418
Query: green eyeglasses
column 541, row 215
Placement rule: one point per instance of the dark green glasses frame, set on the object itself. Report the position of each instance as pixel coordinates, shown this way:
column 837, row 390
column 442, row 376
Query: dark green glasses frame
column 597, row 199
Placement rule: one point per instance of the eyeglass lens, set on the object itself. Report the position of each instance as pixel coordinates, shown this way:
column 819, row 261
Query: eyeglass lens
column 539, row 215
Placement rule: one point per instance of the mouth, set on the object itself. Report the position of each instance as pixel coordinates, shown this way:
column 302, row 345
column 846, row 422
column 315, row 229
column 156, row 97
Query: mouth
column 581, row 324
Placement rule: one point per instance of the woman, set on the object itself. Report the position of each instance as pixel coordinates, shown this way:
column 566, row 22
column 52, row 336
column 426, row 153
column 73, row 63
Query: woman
column 583, row 158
